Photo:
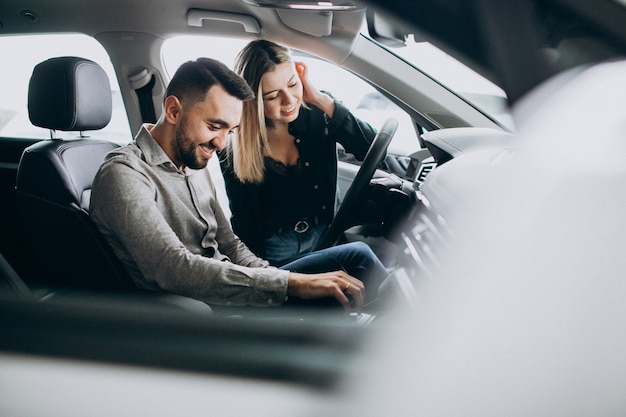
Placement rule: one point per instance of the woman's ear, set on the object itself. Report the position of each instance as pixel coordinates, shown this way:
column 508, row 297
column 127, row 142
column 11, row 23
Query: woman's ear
column 300, row 69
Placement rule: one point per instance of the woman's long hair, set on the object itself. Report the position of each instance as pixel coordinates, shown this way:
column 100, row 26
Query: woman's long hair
column 248, row 149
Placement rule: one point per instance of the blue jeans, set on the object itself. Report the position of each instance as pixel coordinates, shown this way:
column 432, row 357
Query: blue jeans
column 356, row 259
column 287, row 246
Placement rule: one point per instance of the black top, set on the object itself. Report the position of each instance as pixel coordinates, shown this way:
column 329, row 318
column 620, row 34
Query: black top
column 291, row 193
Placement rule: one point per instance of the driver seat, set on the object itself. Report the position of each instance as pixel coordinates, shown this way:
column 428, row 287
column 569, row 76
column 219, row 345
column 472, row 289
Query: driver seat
column 54, row 176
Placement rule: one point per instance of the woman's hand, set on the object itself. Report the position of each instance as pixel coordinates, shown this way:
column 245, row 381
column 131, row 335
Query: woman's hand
column 335, row 284
column 311, row 95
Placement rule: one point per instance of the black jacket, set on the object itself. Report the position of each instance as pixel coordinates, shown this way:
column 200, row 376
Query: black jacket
column 289, row 194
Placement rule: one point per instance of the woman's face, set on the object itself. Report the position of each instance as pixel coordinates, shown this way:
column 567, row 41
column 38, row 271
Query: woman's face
column 281, row 91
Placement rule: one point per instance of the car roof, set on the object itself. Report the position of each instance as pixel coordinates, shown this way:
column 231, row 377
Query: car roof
column 165, row 18
column 478, row 32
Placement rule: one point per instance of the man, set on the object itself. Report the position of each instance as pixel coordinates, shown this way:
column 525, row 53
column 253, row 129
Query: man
column 155, row 203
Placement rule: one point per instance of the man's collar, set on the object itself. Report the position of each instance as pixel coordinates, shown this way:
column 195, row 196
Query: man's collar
column 153, row 152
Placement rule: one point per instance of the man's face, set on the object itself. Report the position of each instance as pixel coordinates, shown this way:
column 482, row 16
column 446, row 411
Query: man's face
column 204, row 127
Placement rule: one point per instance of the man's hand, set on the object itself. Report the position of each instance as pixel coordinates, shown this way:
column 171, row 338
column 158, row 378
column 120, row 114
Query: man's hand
column 328, row 284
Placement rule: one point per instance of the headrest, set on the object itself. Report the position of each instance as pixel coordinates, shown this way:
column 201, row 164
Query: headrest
column 69, row 93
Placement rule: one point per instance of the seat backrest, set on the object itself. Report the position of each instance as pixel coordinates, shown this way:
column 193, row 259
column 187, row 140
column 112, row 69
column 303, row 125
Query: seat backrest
column 54, row 176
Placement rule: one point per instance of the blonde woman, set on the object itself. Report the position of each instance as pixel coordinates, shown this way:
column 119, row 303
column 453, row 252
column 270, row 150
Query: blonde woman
column 281, row 168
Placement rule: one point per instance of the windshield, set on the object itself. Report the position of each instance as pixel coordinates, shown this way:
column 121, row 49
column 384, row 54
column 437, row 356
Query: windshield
column 457, row 77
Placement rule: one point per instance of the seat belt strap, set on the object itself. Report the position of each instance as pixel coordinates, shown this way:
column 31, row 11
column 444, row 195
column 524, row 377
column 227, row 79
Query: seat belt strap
column 142, row 83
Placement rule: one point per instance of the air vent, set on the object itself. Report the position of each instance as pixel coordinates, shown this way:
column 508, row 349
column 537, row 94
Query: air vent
column 424, row 169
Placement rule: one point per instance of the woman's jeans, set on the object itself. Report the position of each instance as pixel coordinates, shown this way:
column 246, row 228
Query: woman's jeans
column 356, row 258
column 287, row 246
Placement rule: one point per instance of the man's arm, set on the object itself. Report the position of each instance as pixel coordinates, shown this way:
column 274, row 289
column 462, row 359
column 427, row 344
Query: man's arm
column 124, row 208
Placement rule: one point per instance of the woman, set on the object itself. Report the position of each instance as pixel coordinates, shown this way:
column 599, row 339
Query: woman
column 281, row 169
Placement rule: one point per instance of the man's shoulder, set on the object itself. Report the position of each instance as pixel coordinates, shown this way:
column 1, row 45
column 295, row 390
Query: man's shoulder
column 119, row 164
column 129, row 154
column 129, row 150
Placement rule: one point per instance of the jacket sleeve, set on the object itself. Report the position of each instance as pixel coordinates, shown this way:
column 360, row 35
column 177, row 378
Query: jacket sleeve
column 355, row 135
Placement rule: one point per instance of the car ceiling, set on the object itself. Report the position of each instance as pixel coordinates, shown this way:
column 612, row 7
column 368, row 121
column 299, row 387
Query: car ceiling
column 165, row 18
column 480, row 32
column 161, row 19
column 94, row 16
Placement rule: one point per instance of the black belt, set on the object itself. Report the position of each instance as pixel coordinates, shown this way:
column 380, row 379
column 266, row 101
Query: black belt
column 301, row 226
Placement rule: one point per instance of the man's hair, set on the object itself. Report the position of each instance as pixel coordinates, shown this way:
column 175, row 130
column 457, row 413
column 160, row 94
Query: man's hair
column 193, row 79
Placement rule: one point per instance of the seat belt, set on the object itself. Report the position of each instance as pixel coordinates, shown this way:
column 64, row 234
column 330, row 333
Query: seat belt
column 142, row 83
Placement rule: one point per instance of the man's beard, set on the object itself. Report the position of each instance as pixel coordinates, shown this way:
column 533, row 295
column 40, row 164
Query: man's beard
column 186, row 149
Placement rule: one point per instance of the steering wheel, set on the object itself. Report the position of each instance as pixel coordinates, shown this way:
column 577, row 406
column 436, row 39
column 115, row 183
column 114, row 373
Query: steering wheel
column 375, row 155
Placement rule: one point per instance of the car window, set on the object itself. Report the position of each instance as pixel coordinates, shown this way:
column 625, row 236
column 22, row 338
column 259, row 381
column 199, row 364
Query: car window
column 14, row 121
column 457, row 77
column 360, row 97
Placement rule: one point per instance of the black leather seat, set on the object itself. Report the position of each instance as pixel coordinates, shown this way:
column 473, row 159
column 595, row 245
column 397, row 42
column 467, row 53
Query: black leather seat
column 55, row 176
column 10, row 282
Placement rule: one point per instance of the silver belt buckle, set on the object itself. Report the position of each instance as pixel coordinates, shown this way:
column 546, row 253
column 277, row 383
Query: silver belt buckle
column 301, row 226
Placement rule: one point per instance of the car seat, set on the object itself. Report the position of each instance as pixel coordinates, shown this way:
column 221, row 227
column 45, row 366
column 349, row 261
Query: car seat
column 11, row 283
column 55, row 176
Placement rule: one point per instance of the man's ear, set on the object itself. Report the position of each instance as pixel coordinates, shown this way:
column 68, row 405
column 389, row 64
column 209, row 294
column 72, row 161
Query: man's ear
column 172, row 109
